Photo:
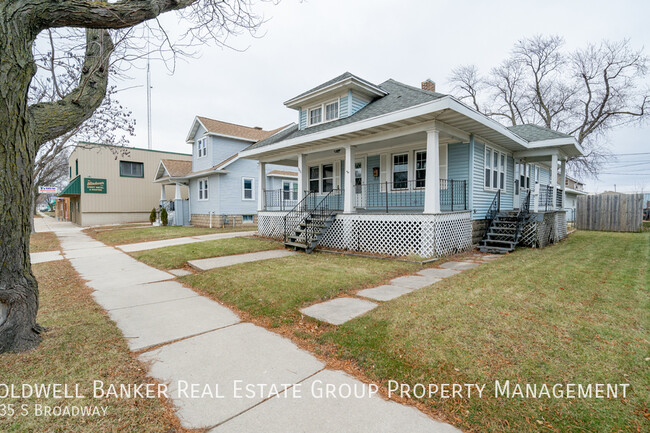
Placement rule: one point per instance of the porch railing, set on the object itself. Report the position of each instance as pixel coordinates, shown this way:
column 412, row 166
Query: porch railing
column 279, row 200
column 312, row 205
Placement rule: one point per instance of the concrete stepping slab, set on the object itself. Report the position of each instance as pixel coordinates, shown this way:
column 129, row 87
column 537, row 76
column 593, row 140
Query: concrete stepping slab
column 152, row 245
column 363, row 413
column 243, row 352
column 220, row 262
column 142, row 294
column 459, row 266
column 179, row 272
column 45, row 256
column 339, row 310
column 438, row 273
column 384, row 293
column 91, row 252
column 148, row 325
column 414, row 281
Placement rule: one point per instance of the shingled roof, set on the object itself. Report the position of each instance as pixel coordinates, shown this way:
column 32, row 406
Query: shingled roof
column 234, row 130
column 399, row 96
column 530, row 132
column 176, row 167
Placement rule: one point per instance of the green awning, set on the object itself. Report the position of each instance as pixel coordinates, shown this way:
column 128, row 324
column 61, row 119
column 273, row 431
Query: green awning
column 73, row 188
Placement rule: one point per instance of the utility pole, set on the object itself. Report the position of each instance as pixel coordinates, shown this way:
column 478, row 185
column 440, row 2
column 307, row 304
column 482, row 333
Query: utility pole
column 148, row 96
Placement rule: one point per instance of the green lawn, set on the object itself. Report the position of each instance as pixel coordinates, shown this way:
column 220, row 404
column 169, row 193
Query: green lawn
column 276, row 289
column 576, row 312
column 45, row 241
column 81, row 345
column 176, row 256
column 129, row 235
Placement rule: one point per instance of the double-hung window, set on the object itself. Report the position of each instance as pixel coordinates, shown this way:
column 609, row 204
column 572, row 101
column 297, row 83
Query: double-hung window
column 314, row 179
column 332, row 111
column 203, row 189
column 289, row 190
column 420, row 169
column 495, row 169
column 247, row 188
column 202, row 147
column 315, row 115
column 328, row 177
column 400, row 171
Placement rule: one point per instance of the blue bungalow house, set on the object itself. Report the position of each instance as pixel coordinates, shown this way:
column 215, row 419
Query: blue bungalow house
column 222, row 185
column 394, row 169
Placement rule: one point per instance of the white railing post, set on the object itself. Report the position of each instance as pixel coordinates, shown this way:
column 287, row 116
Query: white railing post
column 261, row 186
column 563, row 181
column 348, row 198
column 554, row 181
column 302, row 176
column 432, row 182
column 536, row 197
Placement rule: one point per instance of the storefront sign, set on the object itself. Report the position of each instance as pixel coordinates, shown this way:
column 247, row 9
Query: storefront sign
column 94, row 186
column 48, row 190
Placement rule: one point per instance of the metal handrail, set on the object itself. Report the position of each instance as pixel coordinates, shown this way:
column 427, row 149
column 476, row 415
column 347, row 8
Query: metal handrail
column 494, row 208
column 321, row 211
column 299, row 211
column 523, row 213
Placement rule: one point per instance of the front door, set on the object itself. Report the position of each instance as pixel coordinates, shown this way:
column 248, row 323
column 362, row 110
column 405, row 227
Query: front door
column 360, row 183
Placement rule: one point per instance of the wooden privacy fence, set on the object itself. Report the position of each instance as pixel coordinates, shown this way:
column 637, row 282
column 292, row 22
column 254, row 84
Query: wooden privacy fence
column 612, row 212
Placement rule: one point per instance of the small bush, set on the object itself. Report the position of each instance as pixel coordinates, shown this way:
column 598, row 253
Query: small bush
column 163, row 216
column 152, row 216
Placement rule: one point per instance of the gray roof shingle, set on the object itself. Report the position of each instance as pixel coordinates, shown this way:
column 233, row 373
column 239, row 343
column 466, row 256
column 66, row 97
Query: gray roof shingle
column 399, row 96
column 531, row 132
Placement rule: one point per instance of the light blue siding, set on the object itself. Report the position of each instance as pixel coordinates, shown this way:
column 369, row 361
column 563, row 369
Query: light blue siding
column 302, row 118
column 231, row 199
column 457, row 157
column 205, row 206
column 356, row 102
column 544, row 176
column 482, row 199
column 343, row 107
column 204, row 162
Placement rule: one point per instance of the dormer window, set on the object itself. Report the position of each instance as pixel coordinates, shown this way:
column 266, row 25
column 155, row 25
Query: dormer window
column 315, row 116
column 202, row 147
column 331, row 110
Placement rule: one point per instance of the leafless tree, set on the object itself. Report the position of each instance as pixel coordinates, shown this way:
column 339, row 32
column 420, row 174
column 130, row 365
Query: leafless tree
column 585, row 93
column 25, row 127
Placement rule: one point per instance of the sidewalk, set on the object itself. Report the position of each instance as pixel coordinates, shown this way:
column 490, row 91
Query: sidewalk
column 187, row 338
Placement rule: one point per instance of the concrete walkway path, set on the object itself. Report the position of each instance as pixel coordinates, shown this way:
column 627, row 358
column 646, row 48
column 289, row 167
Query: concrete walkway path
column 236, row 259
column 151, row 245
column 223, row 374
column 340, row 310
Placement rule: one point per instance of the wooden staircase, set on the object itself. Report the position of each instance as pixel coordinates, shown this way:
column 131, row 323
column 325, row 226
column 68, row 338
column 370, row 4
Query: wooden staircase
column 505, row 227
column 308, row 234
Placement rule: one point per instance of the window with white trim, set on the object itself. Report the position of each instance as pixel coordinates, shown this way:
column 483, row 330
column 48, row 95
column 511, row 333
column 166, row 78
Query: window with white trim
column 314, row 179
column 400, row 171
column 328, row 178
column 495, row 169
column 247, row 185
column 325, row 112
column 201, row 148
column 420, row 169
column 289, row 190
column 332, row 111
column 247, row 219
column 203, row 189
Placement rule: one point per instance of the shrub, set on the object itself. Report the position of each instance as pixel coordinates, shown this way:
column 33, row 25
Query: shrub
column 152, row 216
column 163, row 216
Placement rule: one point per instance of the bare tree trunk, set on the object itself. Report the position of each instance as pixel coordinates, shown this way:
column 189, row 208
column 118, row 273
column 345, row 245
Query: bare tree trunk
column 18, row 287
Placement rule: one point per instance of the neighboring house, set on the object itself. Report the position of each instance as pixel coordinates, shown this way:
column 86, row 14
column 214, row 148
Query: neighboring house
column 112, row 184
column 573, row 189
column 400, row 170
column 223, row 186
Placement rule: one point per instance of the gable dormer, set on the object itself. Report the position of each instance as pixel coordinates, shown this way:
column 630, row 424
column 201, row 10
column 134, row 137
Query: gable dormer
column 333, row 100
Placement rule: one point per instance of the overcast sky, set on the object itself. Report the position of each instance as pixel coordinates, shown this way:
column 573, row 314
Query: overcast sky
column 305, row 44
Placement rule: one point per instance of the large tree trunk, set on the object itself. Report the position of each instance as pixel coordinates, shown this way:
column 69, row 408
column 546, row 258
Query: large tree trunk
column 18, row 287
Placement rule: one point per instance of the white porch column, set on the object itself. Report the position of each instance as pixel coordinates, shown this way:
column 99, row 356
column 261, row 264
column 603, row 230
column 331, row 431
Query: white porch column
column 302, row 176
column 261, row 186
column 563, row 181
column 162, row 192
column 349, row 197
column 536, row 197
column 432, row 182
column 554, row 181
column 178, row 195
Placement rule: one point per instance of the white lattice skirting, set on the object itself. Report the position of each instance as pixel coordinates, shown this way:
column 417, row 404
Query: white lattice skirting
column 546, row 228
column 389, row 234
